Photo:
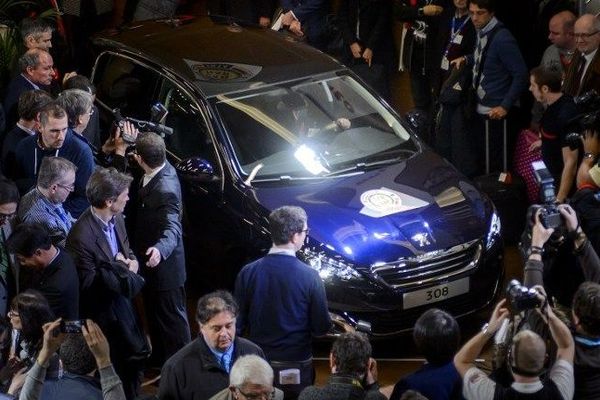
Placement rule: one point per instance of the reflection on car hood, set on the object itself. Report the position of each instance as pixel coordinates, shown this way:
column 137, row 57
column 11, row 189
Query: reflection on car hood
column 406, row 209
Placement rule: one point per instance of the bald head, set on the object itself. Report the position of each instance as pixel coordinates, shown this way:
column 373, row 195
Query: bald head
column 561, row 30
column 587, row 33
column 37, row 66
column 528, row 353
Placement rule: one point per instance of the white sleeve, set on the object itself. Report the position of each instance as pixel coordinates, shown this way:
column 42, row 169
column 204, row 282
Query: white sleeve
column 477, row 385
column 561, row 374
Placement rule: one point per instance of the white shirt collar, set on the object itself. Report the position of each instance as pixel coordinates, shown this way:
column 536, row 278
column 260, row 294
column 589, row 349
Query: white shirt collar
column 148, row 177
column 282, row 251
column 530, row 387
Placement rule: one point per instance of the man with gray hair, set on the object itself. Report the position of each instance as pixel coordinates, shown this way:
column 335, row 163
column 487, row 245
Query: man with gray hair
column 251, row 377
column 44, row 203
column 583, row 73
column 37, row 71
column 201, row 369
column 79, row 107
column 282, row 302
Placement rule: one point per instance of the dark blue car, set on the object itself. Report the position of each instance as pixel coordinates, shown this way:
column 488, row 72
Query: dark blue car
column 262, row 121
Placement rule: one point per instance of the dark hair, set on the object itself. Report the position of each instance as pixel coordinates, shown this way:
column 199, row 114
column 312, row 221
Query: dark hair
column 284, row 222
column 35, row 27
column 437, row 336
column 8, row 191
column 27, row 238
column 80, row 82
column 547, row 77
column 214, row 303
column 51, row 110
column 151, row 148
column 489, row 5
column 106, row 184
column 586, row 306
column 31, row 102
column 351, row 352
column 34, row 311
column 76, row 356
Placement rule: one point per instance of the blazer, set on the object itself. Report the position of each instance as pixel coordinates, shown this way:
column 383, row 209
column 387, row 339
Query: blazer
column 590, row 81
column 9, row 285
column 88, row 245
column 158, row 216
column 15, row 87
column 312, row 15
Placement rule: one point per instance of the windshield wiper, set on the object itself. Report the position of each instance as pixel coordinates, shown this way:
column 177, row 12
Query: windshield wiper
column 363, row 167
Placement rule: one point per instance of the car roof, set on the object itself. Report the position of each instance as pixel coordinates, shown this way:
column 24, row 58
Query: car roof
column 220, row 57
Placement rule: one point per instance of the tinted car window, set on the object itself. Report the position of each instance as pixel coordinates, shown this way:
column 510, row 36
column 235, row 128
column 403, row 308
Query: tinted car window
column 124, row 84
column 315, row 127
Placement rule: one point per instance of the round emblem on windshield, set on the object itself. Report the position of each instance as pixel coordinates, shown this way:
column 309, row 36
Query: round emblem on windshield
column 381, row 200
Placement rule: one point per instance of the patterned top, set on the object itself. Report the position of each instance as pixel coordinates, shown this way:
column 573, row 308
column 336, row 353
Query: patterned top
column 34, row 207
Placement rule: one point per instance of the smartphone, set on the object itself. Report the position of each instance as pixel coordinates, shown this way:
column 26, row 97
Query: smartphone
column 73, row 326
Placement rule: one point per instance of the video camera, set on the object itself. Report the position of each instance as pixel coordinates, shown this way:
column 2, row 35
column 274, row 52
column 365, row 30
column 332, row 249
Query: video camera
column 158, row 113
column 588, row 119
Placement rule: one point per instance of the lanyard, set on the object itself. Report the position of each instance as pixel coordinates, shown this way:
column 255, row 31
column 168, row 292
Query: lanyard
column 454, row 33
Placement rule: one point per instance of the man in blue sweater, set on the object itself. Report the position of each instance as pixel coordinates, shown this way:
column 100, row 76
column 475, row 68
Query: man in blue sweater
column 500, row 77
column 282, row 303
column 55, row 140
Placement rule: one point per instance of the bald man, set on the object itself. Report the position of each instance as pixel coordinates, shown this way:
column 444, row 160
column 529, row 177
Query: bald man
column 559, row 54
column 583, row 74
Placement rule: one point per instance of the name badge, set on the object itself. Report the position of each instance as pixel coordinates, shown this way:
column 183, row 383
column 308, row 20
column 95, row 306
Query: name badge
column 445, row 63
column 458, row 39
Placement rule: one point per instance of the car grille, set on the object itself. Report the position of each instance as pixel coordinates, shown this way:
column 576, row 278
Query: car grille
column 429, row 267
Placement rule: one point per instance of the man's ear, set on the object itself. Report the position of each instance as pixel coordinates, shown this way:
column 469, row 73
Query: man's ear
column 29, row 41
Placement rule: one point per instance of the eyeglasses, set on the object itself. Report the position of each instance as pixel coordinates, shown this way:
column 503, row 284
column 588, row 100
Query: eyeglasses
column 307, row 231
column 6, row 217
column 69, row 188
column 584, row 35
column 258, row 396
column 12, row 314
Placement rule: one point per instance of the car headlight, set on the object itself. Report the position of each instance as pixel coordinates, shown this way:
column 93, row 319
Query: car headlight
column 493, row 231
column 328, row 267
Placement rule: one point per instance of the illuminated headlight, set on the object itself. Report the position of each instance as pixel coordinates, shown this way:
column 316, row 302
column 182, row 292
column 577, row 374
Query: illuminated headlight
column 494, row 231
column 328, row 267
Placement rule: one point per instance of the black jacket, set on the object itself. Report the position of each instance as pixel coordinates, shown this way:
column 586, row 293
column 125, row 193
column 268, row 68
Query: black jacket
column 194, row 374
column 341, row 387
column 158, row 216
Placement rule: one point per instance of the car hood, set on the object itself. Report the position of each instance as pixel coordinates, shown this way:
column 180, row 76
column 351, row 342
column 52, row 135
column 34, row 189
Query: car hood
column 406, row 209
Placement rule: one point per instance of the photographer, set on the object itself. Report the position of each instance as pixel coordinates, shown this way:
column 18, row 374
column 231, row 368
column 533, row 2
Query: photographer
column 114, row 150
column 526, row 360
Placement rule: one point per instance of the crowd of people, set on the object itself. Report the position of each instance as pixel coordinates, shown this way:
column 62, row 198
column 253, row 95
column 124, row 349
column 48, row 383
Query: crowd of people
column 93, row 298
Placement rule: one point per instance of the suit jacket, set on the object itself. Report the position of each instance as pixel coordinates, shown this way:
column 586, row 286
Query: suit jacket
column 9, row 285
column 88, row 246
column 312, row 15
column 590, row 81
column 158, row 225
column 16, row 86
column 58, row 283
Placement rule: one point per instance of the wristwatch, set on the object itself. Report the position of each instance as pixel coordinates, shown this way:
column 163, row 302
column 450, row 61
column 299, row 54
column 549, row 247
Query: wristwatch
column 590, row 156
column 485, row 329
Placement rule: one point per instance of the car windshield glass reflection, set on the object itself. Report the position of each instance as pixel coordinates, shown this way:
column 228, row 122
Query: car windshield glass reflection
column 312, row 129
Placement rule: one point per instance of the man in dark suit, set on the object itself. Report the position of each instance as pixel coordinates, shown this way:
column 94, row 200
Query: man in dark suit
column 306, row 19
column 37, row 71
column 9, row 269
column 107, row 271
column 583, row 73
column 158, row 241
column 53, row 270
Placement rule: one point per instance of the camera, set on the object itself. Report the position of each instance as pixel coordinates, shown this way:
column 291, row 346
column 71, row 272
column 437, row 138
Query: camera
column 550, row 217
column 588, row 119
column 73, row 326
column 158, row 113
column 522, row 298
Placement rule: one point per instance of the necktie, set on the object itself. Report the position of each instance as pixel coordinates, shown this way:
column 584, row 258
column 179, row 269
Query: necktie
column 225, row 362
column 63, row 217
column 579, row 75
column 477, row 60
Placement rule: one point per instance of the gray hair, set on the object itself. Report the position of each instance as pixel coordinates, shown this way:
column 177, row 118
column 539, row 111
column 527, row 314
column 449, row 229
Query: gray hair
column 214, row 303
column 251, row 369
column 52, row 170
column 31, row 59
column 106, row 184
column 76, row 102
column 284, row 222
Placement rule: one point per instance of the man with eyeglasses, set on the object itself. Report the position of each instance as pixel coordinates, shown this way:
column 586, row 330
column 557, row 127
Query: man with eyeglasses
column 283, row 304
column 55, row 140
column 251, row 378
column 44, row 203
column 9, row 269
column 583, row 73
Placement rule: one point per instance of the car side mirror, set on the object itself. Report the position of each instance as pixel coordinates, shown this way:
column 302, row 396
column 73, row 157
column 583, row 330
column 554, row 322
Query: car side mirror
column 196, row 169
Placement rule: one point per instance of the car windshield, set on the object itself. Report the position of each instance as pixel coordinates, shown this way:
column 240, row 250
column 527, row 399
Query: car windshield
column 317, row 128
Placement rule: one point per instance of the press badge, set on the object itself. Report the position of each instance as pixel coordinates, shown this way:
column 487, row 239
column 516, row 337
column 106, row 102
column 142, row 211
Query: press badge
column 458, row 39
column 289, row 376
column 445, row 63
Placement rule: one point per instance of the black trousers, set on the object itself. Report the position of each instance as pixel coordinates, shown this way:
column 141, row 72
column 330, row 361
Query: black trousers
column 167, row 320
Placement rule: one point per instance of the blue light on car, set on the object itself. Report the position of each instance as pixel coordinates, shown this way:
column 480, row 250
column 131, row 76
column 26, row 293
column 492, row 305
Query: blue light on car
column 494, row 230
column 348, row 250
column 328, row 267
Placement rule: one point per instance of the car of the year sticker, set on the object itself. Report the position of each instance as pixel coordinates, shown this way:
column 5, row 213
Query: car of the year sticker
column 436, row 293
